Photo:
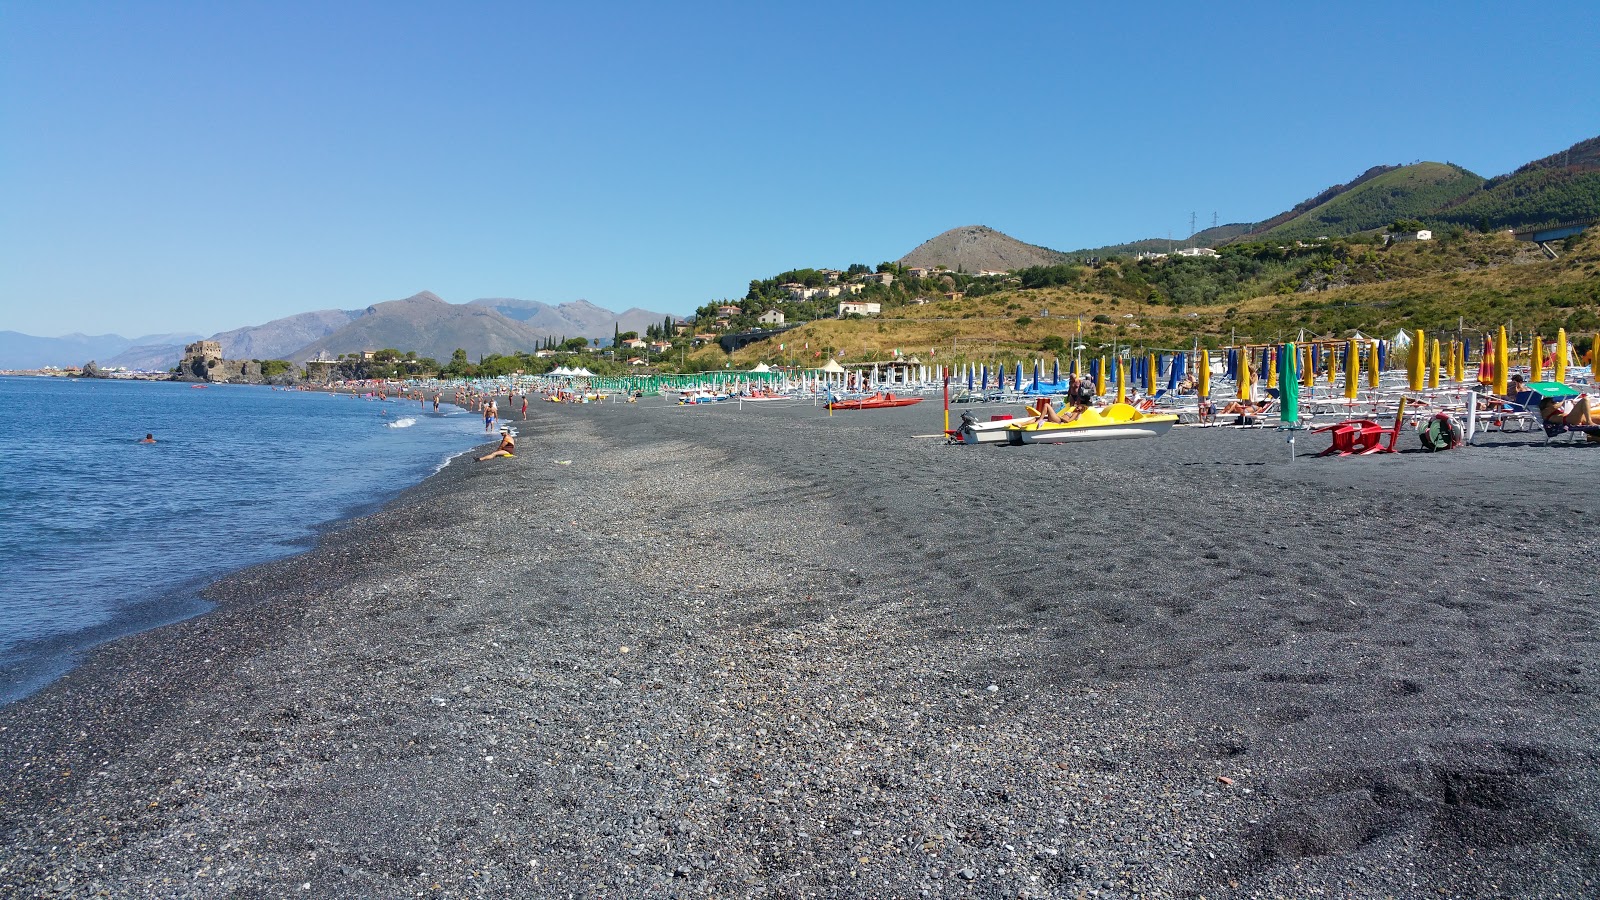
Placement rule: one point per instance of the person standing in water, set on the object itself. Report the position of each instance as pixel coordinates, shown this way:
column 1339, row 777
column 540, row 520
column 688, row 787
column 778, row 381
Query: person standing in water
column 435, row 402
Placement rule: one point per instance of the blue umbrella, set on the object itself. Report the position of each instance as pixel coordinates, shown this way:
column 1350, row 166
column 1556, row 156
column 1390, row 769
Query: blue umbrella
column 1383, row 355
column 1175, row 372
column 1233, row 362
column 969, row 378
column 1055, row 370
column 1000, row 378
column 1036, row 375
column 1016, row 383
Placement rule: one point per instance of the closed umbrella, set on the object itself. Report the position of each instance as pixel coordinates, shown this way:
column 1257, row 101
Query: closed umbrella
column 1289, row 387
column 1308, row 371
column 1203, row 386
column 1055, row 370
column 1536, row 361
column 1244, row 376
column 1016, row 383
column 999, row 378
column 1175, row 375
column 969, row 379
column 1100, row 378
column 1374, row 363
column 1502, row 363
column 1122, row 381
column 985, row 377
column 1036, row 376
column 1352, row 363
column 1418, row 358
column 1271, row 354
column 1560, row 373
column 1433, row 367
column 1333, row 368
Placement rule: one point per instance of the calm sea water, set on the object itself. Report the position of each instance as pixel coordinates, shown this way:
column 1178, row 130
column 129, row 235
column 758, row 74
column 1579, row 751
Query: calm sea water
column 102, row 536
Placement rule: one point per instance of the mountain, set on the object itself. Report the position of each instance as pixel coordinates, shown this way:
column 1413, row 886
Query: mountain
column 428, row 325
column 974, row 248
column 1381, row 195
column 274, row 340
column 578, row 318
column 1214, row 236
column 25, row 351
column 1561, row 187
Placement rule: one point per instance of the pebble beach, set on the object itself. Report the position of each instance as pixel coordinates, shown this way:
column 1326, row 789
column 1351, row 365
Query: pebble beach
column 761, row 651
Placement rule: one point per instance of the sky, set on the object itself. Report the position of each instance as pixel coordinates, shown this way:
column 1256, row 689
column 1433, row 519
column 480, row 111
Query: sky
column 194, row 167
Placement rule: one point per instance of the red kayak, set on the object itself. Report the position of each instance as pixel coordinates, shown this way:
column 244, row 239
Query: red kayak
column 876, row 401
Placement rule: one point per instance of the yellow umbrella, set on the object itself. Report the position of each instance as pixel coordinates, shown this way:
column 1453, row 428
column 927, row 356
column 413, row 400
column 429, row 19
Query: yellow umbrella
column 1450, row 364
column 1433, row 366
column 1461, row 361
column 1419, row 357
column 1150, row 377
column 1203, row 387
column 1351, row 367
column 1075, row 372
column 1333, row 367
column 1243, row 373
column 1272, row 367
column 1561, row 356
column 1372, row 365
column 1100, row 379
column 1308, row 378
column 1122, row 381
column 1502, row 364
column 1536, row 361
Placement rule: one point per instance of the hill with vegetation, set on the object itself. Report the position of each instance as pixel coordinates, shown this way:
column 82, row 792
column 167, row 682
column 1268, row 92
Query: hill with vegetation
column 1402, row 192
column 1249, row 292
column 1562, row 187
column 978, row 248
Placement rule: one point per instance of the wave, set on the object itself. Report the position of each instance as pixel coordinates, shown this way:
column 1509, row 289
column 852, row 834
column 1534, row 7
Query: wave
column 407, row 422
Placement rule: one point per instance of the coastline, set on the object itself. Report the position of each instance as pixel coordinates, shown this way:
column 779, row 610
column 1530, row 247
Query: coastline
column 804, row 704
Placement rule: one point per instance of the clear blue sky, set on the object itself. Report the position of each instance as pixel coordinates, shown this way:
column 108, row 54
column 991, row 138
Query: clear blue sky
column 201, row 166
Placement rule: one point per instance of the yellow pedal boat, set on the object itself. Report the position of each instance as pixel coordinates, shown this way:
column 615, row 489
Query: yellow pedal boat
column 1114, row 422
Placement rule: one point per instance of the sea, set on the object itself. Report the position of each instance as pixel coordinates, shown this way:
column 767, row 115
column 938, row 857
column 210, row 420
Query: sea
column 102, row 536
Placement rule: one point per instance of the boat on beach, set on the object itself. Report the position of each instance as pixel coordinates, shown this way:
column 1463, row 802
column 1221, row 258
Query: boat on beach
column 1117, row 421
column 993, row 431
column 875, row 401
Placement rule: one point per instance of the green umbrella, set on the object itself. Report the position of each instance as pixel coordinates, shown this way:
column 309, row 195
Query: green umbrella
column 1551, row 389
column 1288, row 387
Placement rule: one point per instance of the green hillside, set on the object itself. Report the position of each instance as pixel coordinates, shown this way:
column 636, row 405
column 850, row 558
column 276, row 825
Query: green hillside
column 1561, row 187
column 1407, row 192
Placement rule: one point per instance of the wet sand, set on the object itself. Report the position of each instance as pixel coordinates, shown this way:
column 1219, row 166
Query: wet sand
column 762, row 652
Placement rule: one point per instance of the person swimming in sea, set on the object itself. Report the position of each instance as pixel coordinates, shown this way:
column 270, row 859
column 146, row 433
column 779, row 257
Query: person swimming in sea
column 148, row 439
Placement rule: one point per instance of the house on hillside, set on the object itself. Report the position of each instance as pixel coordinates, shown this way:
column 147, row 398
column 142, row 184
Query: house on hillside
column 830, row 274
column 636, row 361
column 883, row 278
column 660, row 347
column 1197, row 251
column 771, row 317
column 853, row 288
column 801, row 292
column 1399, row 236
column 991, row 273
column 728, row 311
column 954, row 295
column 919, row 271
column 858, row 308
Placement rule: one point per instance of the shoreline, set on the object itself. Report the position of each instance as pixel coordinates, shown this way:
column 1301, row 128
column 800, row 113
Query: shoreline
column 804, row 704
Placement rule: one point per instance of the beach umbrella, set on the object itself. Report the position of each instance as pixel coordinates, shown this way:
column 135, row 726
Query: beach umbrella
column 1230, row 365
column 1417, row 361
column 1352, row 362
column 1383, row 355
column 1289, row 387
column 1308, row 372
column 1151, row 373
column 1536, row 361
column 1271, row 363
column 1560, row 373
column 1244, row 376
column 1374, row 363
column 969, row 379
column 1100, row 378
column 1486, row 362
column 1122, row 381
column 1175, row 372
column 985, row 379
column 1036, row 375
column 1055, row 370
column 1433, row 367
column 1502, row 363
column 1016, row 383
column 1204, row 386
column 1333, row 368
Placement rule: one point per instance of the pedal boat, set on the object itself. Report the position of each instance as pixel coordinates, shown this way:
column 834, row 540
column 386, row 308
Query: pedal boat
column 876, row 401
column 994, row 431
column 1115, row 422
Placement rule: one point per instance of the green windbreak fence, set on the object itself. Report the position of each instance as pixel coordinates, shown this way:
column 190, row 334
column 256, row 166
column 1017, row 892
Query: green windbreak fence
column 651, row 384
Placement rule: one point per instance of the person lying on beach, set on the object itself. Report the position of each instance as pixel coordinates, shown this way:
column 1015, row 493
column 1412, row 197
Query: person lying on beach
column 507, row 448
column 1246, row 407
column 148, row 439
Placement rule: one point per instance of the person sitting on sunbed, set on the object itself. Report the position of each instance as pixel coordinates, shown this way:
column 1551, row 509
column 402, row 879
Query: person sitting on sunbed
column 1575, row 414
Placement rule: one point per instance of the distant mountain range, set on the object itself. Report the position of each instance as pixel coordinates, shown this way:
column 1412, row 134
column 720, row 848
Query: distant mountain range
column 423, row 322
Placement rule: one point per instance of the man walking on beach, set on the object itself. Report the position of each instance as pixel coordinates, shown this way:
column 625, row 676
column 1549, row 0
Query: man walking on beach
column 524, row 406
